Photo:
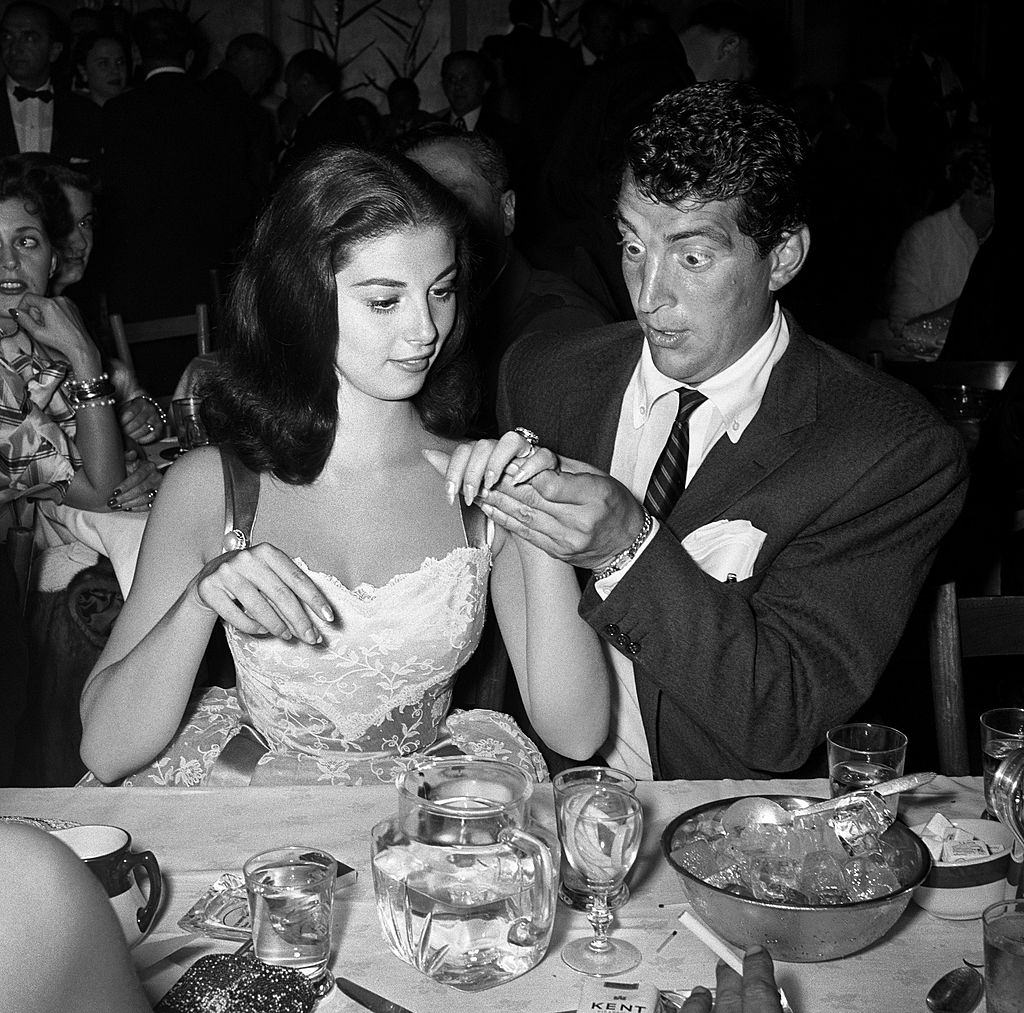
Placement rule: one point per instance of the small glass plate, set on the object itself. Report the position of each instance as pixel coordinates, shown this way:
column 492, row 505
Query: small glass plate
column 222, row 912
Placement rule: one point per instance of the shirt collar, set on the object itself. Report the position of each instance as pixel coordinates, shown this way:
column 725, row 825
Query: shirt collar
column 470, row 118
column 319, row 102
column 735, row 392
column 164, row 70
column 12, row 84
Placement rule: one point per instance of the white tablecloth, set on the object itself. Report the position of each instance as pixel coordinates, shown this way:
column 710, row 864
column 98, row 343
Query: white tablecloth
column 199, row 833
column 115, row 534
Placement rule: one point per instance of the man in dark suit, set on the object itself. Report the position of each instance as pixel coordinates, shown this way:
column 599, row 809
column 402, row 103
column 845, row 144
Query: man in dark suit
column 759, row 511
column 175, row 197
column 312, row 80
column 512, row 297
column 251, row 61
column 34, row 114
column 465, row 78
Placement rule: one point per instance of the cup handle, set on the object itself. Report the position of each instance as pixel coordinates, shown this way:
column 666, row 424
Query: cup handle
column 145, row 915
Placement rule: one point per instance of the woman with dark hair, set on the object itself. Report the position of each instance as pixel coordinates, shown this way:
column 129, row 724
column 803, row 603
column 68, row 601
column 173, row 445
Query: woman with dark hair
column 102, row 65
column 140, row 418
column 59, row 437
column 351, row 588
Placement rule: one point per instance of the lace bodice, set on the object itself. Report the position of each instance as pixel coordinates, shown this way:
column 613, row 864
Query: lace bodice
column 381, row 681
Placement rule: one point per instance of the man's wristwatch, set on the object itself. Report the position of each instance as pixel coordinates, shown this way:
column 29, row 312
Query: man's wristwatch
column 619, row 561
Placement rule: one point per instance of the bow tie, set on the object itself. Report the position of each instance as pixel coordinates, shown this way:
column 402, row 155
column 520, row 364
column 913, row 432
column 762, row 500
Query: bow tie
column 44, row 94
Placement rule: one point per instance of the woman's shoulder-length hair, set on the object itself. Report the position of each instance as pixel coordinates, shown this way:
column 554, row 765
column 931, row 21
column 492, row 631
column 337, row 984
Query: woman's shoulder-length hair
column 274, row 396
column 31, row 180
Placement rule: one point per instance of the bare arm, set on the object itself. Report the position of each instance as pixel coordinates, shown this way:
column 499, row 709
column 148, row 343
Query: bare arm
column 57, row 324
column 136, row 694
column 560, row 667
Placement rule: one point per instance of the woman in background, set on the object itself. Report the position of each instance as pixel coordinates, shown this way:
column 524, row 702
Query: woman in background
column 102, row 66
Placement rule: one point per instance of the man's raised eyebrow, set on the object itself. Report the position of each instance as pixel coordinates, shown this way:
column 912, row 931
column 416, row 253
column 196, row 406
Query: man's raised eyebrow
column 711, row 232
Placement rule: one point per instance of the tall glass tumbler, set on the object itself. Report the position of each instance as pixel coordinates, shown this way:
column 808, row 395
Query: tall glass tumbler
column 861, row 755
column 291, row 896
column 1002, row 924
column 1002, row 731
column 573, row 889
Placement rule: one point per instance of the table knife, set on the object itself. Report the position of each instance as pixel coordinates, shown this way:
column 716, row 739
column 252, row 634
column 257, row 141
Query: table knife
column 372, row 1001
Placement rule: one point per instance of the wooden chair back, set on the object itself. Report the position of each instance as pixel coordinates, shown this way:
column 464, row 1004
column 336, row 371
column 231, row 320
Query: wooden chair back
column 18, row 548
column 161, row 329
column 959, row 628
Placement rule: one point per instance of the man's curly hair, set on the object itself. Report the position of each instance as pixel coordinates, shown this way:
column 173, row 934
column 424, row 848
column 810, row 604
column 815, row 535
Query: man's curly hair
column 719, row 141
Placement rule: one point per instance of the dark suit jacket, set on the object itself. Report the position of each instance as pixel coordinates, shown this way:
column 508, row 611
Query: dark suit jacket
column 175, row 200
column 332, row 122
column 854, row 478
column 76, row 128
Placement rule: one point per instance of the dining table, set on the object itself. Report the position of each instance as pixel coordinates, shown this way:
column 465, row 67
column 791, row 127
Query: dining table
column 199, row 833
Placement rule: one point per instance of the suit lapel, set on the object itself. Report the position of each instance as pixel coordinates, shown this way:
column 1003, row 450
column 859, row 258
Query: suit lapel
column 775, row 434
column 8, row 138
column 590, row 423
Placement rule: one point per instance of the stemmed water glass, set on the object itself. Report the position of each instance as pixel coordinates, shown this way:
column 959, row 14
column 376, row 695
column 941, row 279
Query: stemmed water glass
column 600, row 826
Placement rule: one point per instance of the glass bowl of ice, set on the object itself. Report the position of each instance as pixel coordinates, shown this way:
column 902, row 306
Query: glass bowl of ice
column 806, row 888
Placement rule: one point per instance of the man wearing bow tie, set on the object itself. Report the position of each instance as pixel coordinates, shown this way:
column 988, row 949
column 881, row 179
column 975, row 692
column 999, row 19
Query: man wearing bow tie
column 758, row 511
column 35, row 115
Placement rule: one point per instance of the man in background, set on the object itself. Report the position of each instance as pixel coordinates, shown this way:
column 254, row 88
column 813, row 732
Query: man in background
column 36, row 115
column 176, row 197
column 513, row 296
column 312, row 80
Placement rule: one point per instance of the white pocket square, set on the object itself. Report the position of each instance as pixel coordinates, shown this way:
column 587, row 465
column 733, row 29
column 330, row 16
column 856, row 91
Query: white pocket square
column 725, row 550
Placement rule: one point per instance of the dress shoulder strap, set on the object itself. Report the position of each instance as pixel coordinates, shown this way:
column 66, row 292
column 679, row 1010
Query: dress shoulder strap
column 478, row 527
column 241, row 499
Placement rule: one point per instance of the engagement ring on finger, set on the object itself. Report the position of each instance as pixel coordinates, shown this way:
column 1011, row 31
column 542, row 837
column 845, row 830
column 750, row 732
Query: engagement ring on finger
column 527, row 434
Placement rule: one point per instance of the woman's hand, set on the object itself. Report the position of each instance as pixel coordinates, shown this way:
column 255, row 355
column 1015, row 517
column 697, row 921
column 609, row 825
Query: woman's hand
column 139, row 486
column 472, row 467
column 57, row 324
column 261, row 590
column 140, row 420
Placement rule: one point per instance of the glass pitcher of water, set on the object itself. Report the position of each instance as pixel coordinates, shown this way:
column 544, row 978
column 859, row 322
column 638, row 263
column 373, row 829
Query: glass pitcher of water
column 464, row 893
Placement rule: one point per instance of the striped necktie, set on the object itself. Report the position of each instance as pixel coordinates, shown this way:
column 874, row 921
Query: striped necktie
column 460, row 124
column 669, row 476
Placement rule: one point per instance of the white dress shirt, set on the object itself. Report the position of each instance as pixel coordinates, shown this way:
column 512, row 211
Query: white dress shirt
column 649, row 407
column 33, row 119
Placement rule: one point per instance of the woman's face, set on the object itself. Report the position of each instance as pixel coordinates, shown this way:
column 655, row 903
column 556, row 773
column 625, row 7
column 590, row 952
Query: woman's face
column 26, row 258
column 396, row 307
column 74, row 257
column 106, row 69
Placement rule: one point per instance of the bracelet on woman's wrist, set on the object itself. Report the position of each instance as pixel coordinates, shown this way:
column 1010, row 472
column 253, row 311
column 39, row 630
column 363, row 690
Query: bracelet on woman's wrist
column 619, row 561
column 95, row 402
column 83, row 393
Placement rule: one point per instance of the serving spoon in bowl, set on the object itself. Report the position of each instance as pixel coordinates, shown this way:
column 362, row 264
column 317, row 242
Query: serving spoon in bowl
column 756, row 809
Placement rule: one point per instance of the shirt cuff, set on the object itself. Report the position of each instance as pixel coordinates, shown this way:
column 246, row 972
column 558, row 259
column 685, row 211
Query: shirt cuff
column 606, row 585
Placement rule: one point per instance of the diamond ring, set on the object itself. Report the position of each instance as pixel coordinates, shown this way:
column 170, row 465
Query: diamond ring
column 527, row 434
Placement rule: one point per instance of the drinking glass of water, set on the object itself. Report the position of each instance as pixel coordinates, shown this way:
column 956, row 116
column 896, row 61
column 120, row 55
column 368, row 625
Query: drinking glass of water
column 1002, row 731
column 1003, row 928
column 861, row 755
column 186, row 413
column 291, row 893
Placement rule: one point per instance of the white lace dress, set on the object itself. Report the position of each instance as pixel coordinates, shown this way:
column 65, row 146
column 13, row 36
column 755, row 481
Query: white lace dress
column 359, row 707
